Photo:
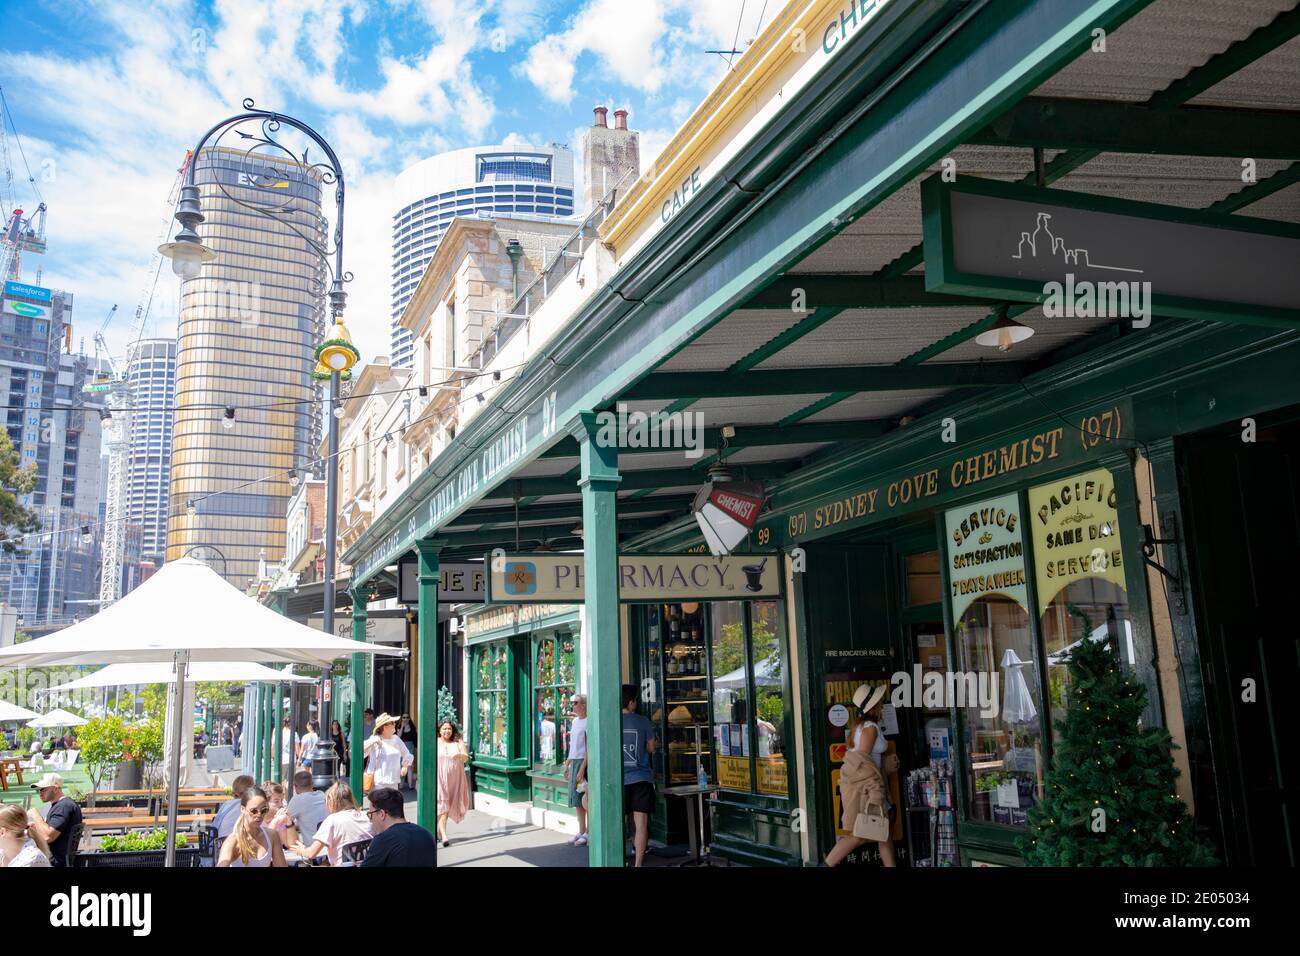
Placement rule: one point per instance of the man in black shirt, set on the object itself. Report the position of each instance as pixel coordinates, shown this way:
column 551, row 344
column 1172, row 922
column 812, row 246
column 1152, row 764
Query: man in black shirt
column 62, row 817
column 396, row 842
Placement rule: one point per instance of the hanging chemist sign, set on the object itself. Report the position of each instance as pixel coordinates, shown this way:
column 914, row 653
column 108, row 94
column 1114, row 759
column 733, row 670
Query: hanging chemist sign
column 986, row 553
column 1075, row 533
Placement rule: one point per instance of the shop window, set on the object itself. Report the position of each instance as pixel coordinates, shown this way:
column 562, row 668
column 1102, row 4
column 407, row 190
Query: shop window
column 555, row 682
column 1079, row 571
column 923, row 584
column 686, row 700
column 491, row 672
column 748, row 697
column 1004, row 741
column 996, row 688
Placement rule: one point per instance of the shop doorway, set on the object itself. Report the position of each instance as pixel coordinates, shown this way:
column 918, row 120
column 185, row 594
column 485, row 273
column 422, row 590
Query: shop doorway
column 1243, row 534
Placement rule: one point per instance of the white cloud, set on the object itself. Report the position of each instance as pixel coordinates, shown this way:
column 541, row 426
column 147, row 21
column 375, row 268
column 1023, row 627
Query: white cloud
column 626, row 37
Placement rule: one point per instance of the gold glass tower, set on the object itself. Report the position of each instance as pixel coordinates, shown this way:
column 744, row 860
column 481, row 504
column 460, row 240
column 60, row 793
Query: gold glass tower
column 249, row 326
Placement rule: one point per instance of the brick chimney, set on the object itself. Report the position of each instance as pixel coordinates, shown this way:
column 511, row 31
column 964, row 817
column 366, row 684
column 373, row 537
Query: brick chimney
column 609, row 156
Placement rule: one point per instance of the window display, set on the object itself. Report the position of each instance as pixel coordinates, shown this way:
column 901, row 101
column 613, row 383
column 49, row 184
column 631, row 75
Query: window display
column 996, row 651
column 1079, row 570
column 555, row 683
column 491, row 671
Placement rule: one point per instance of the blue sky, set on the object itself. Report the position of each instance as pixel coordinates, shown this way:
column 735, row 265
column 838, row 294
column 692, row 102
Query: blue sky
column 108, row 96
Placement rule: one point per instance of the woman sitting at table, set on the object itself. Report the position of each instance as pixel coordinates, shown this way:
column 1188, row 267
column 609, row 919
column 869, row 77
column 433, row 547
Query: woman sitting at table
column 251, row 843
column 20, row 844
column 345, row 824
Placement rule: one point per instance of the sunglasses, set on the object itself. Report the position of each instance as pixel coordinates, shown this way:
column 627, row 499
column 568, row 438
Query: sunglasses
column 258, row 811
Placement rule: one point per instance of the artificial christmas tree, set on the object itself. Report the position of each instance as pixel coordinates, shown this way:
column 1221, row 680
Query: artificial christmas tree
column 446, row 708
column 1109, row 795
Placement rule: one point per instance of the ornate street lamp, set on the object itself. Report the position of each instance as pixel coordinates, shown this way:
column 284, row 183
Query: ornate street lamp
column 335, row 355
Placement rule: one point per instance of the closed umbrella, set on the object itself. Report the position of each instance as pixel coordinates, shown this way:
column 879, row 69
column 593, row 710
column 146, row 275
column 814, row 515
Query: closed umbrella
column 185, row 613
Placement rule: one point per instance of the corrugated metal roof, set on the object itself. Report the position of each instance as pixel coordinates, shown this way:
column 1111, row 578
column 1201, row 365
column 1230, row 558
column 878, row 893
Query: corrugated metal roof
column 732, row 339
column 1270, row 83
column 872, row 337
column 876, row 405
column 1161, row 44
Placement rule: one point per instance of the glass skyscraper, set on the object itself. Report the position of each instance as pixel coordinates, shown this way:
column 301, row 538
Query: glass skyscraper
column 518, row 181
column 151, row 377
column 248, row 329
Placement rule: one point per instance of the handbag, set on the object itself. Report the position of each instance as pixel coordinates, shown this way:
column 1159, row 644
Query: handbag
column 367, row 781
column 872, row 826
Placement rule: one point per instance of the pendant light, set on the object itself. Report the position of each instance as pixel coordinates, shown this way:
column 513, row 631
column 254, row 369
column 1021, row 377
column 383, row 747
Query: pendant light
column 1004, row 332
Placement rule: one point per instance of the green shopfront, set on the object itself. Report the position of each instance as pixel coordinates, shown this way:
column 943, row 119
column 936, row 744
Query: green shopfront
column 1002, row 312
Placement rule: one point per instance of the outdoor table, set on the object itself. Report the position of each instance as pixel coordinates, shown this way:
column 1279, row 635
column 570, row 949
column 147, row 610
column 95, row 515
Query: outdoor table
column 184, row 791
column 134, row 821
column 686, row 792
column 10, row 765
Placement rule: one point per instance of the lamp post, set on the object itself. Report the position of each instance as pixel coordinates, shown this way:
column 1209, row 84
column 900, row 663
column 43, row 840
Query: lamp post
column 335, row 356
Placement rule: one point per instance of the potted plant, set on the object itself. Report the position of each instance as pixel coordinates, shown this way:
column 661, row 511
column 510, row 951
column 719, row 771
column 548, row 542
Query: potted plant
column 139, row 850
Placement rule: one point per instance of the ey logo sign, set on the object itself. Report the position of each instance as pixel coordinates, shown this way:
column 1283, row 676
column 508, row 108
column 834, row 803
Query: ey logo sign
column 521, row 578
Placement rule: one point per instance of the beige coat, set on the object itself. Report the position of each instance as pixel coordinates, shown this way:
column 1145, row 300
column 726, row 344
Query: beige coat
column 861, row 782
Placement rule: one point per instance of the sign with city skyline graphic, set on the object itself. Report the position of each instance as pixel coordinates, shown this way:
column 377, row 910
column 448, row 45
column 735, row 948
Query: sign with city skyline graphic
column 1094, row 255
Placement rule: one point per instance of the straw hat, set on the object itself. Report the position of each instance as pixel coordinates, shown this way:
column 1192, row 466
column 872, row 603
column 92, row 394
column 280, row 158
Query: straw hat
column 867, row 697
column 385, row 718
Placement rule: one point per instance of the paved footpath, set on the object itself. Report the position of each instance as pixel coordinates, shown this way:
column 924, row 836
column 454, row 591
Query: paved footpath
column 484, row 840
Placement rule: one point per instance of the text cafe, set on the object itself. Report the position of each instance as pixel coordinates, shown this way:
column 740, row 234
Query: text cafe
column 702, row 637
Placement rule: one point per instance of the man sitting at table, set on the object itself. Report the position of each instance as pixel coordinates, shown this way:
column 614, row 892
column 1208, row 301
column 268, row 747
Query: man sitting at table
column 307, row 807
column 62, row 817
column 228, row 813
column 396, row 842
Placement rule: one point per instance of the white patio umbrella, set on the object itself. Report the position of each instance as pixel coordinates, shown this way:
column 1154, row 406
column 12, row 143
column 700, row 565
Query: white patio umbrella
column 10, row 711
column 185, row 613
column 57, row 718
column 128, row 675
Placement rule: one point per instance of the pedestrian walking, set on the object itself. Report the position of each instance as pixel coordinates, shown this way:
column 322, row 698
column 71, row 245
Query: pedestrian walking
column 252, row 843
column 406, row 732
column 307, row 746
column 396, row 842
column 288, row 747
column 387, row 755
column 340, row 746
column 20, row 843
column 638, row 774
column 453, row 788
column 575, row 771
column 345, row 824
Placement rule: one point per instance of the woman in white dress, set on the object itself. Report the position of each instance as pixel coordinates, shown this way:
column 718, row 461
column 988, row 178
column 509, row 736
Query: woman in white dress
column 387, row 755
column 252, row 843
column 19, row 845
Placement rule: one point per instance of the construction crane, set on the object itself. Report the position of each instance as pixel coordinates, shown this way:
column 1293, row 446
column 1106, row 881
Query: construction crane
column 21, row 235
column 115, row 384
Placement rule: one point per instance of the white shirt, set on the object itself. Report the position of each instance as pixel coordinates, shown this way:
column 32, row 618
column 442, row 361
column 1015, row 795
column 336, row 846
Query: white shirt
column 309, row 742
column 879, row 747
column 342, row 828
column 227, row 816
column 387, row 760
column 288, row 740
column 308, row 812
column 547, row 740
column 578, row 738
column 29, row 855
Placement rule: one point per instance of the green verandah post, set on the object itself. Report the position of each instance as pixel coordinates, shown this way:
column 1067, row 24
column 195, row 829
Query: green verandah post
column 253, row 745
column 355, row 743
column 599, row 481
column 426, row 753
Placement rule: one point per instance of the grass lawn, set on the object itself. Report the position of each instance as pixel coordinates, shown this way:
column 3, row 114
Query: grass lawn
column 74, row 781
